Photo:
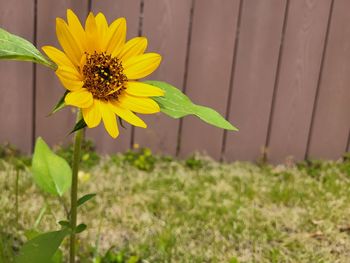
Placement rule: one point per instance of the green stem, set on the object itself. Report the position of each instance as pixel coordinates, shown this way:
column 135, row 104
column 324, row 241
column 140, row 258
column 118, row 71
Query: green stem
column 74, row 191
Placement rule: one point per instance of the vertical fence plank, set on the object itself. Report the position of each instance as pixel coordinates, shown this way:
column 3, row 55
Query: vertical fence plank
column 53, row 129
column 331, row 124
column 130, row 9
column 300, row 66
column 165, row 24
column 211, row 52
column 16, row 87
column 253, row 80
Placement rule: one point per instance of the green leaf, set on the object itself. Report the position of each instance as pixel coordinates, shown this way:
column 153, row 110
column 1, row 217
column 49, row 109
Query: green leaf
column 60, row 104
column 85, row 198
column 64, row 223
column 213, row 117
column 16, row 48
column 80, row 228
column 42, row 248
column 31, row 233
column 79, row 125
column 50, row 172
column 177, row 105
column 58, row 257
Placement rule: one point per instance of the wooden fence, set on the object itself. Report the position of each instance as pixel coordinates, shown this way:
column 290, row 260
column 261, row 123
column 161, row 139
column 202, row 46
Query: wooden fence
column 278, row 69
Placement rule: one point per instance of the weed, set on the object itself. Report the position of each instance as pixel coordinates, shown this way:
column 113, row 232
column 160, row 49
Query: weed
column 194, row 162
column 142, row 159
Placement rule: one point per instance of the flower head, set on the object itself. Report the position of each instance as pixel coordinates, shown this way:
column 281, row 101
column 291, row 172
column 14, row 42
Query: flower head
column 100, row 70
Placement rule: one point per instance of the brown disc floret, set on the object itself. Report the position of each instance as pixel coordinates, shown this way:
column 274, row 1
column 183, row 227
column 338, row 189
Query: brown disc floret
column 103, row 76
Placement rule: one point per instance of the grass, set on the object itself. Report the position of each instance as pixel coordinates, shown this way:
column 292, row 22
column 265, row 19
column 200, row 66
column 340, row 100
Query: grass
column 162, row 210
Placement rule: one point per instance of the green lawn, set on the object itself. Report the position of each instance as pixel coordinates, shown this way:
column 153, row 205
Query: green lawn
column 192, row 211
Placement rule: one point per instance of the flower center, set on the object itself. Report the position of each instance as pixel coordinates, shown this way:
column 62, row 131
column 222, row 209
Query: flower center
column 103, row 76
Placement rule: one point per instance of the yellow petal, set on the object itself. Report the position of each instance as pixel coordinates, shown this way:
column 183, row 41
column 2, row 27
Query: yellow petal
column 114, row 91
column 115, row 38
column 109, row 119
column 81, row 98
column 57, row 56
column 127, row 115
column 134, row 47
column 102, row 25
column 138, row 104
column 142, row 89
column 92, row 115
column 82, row 64
column 68, row 73
column 69, row 84
column 92, row 40
column 141, row 66
column 76, row 28
column 67, row 41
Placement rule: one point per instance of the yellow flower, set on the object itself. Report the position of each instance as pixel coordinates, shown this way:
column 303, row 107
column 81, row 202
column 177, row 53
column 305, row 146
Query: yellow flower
column 100, row 70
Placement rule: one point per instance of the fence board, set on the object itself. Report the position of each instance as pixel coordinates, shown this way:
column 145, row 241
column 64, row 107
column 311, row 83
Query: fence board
column 53, row 129
column 16, row 88
column 299, row 72
column 331, row 125
column 130, row 9
column 253, row 81
column 165, row 24
column 303, row 84
column 211, row 52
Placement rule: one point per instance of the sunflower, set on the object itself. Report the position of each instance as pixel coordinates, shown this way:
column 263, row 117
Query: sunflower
column 100, row 71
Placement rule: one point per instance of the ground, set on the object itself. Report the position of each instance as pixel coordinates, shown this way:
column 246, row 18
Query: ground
column 158, row 209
